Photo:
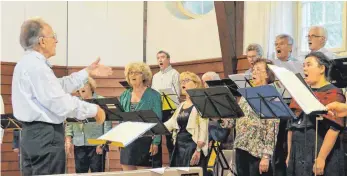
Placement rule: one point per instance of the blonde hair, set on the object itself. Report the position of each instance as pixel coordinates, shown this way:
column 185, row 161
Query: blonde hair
column 190, row 75
column 141, row 67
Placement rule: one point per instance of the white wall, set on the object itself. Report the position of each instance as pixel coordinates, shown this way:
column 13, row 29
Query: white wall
column 184, row 39
column 111, row 30
column 13, row 15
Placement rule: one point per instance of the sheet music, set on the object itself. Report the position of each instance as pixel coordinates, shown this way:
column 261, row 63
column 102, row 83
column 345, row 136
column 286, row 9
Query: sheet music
column 121, row 136
column 158, row 170
column 240, row 80
column 297, row 90
column 172, row 98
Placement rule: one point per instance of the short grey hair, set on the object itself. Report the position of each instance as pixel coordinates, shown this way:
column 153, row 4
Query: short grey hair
column 211, row 74
column 31, row 31
column 322, row 32
column 286, row 36
column 255, row 47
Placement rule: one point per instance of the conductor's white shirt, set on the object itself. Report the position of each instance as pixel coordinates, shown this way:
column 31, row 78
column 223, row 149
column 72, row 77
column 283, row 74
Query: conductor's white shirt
column 38, row 95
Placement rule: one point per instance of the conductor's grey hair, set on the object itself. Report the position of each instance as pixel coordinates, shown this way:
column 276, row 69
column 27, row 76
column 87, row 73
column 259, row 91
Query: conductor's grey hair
column 212, row 75
column 31, row 31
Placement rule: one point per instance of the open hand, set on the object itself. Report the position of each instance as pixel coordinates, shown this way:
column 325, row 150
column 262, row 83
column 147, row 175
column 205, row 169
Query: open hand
column 97, row 69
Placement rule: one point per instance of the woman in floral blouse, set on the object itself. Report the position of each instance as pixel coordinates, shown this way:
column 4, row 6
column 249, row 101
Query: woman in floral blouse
column 255, row 139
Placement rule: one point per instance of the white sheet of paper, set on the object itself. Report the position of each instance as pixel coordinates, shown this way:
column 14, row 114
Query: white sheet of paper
column 2, row 131
column 297, row 90
column 126, row 132
column 239, row 79
column 182, row 168
column 158, row 170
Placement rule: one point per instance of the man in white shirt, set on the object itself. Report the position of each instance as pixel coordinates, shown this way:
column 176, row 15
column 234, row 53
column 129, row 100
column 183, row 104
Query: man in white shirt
column 42, row 101
column 167, row 77
column 317, row 38
column 283, row 47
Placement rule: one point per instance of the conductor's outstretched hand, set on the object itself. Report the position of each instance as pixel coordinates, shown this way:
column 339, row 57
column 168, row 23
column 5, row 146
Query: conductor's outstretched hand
column 97, row 69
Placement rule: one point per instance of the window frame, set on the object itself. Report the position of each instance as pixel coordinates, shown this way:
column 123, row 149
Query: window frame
column 189, row 14
column 342, row 49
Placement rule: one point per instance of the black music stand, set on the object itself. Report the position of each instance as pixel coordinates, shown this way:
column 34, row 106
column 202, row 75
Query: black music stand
column 147, row 116
column 9, row 122
column 338, row 72
column 111, row 106
column 216, row 102
column 268, row 104
column 225, row 82
column 125, row 84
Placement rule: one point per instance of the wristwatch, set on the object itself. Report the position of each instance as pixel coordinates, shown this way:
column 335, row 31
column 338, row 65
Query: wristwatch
column 198, row 149
column 266, row 156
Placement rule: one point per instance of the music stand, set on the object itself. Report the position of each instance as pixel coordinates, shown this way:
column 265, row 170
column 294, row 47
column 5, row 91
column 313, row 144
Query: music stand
column 111, row 106
column 216, row 102
column 147, row 116
column 225, row 82
column 242, row 80
column 9, row 122
column 338, row 72
column 125, row 84
column 169, row 102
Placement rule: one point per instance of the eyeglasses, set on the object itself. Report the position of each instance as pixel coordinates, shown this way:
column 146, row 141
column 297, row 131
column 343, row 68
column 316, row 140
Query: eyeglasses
column 185, row 81
column 54, row 36
column 313, row 36
column 135, row 73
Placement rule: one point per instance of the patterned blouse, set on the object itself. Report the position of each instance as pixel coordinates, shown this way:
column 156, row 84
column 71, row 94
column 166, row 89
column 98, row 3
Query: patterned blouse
column 253, row 134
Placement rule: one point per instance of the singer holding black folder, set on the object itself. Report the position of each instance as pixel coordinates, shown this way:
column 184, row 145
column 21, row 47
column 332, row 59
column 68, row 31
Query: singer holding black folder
column 255, row 137
column 189, row 129
column 302, row 131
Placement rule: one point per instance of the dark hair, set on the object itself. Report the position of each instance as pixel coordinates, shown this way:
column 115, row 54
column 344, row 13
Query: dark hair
column 164, row 52
column 322, row 60
column 270, row 74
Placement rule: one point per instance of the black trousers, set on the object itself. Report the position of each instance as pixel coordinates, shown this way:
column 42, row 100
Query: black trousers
column 169, row 142
column 86, row 157
column 248, row 165
column 42, row 147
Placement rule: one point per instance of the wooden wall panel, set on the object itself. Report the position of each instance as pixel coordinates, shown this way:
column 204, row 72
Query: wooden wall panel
column 9, row 159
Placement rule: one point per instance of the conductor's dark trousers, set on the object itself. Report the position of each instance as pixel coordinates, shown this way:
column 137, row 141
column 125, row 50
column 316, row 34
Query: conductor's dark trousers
column 42, row 147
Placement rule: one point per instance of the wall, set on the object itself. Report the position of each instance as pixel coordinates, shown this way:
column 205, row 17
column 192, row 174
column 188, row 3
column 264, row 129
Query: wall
column 184, row 39
column 111, row 30
column 14, row 13
column 86, row 30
